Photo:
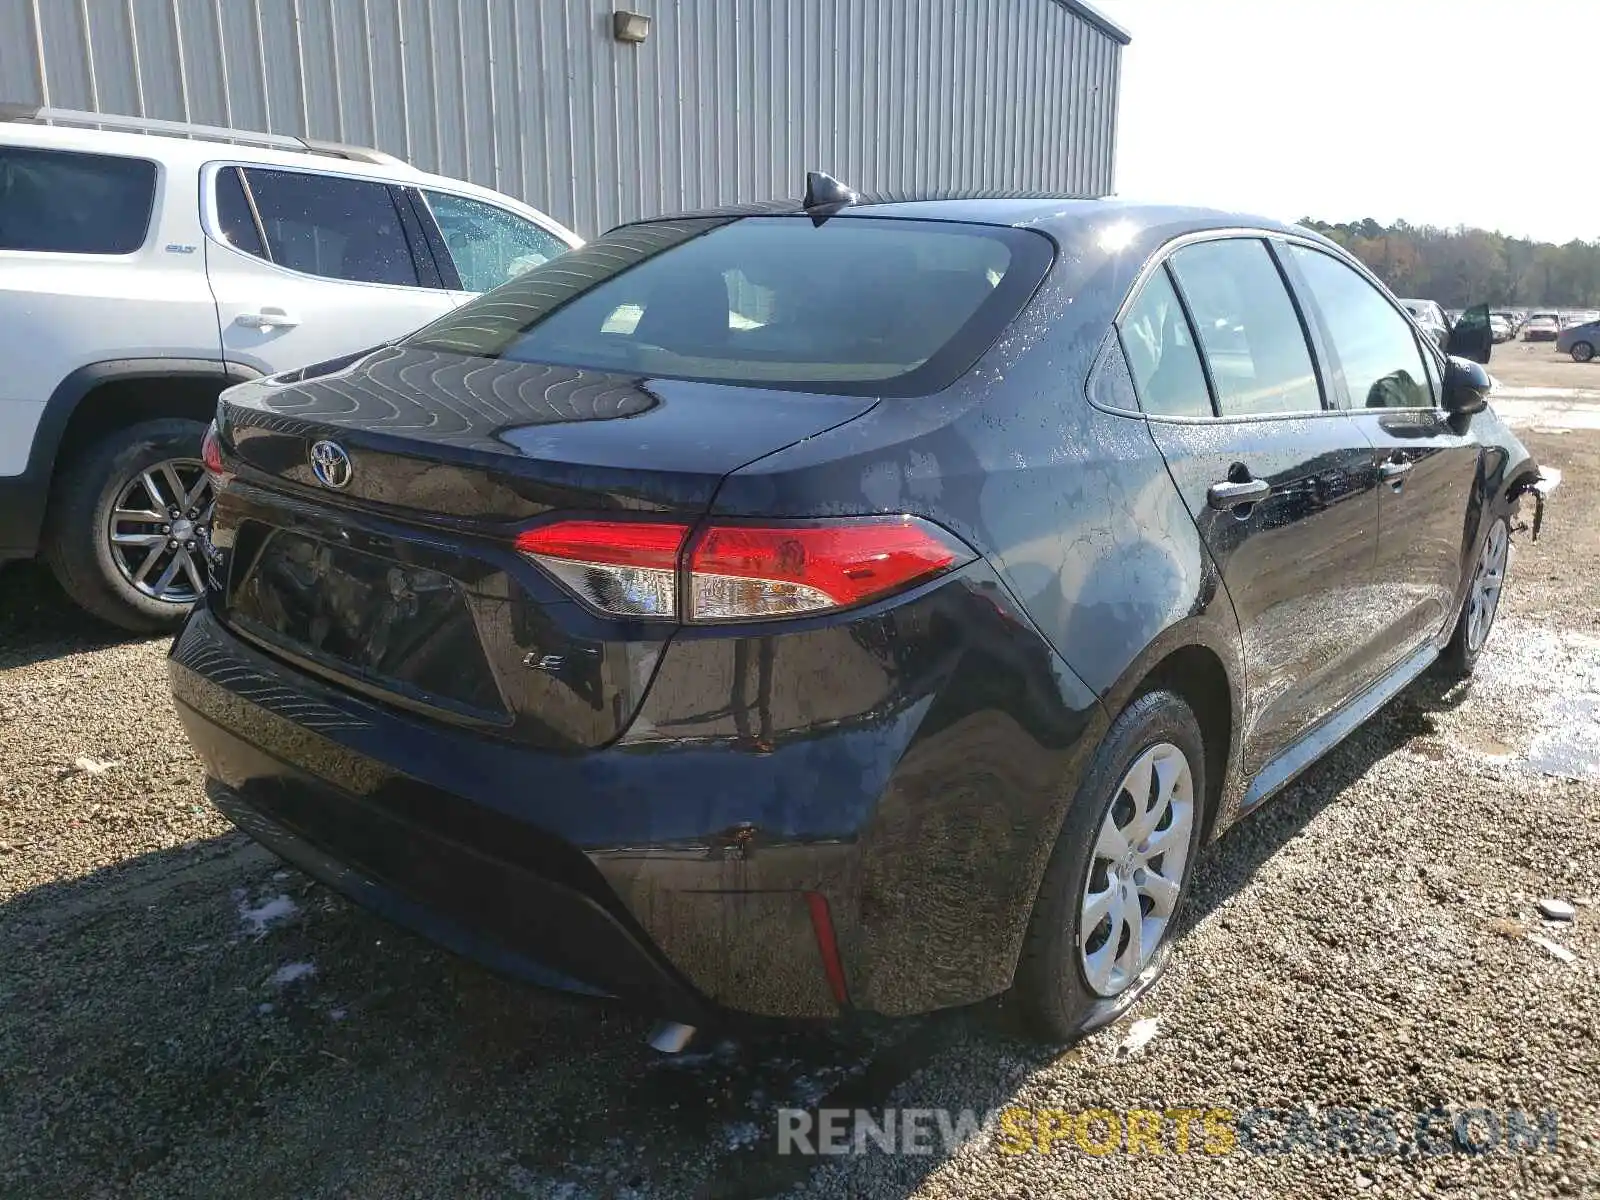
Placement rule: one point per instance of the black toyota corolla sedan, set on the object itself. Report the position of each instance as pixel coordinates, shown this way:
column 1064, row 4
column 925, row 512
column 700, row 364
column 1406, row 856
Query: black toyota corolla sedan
column 860, row 605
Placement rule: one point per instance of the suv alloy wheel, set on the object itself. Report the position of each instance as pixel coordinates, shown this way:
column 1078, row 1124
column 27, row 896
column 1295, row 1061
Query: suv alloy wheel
column 127, row 522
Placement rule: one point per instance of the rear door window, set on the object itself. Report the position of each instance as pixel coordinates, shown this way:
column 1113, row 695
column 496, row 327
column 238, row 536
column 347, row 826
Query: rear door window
column 68, row 203
column 335, row 227
column 235, row 221
column 1161, row 353
column 856, row 304
column 1248, row 328
column 488, row 244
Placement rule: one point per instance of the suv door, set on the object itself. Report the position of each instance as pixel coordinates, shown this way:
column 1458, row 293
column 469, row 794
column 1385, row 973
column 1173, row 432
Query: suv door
column 1387, row 377
column 307, row 266
column 1279, row 483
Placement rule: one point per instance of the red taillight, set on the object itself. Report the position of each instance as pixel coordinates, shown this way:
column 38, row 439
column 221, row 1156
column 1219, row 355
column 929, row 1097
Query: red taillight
column 741, row 572
column 629, row 568
column 614, row 543
column 211, row 456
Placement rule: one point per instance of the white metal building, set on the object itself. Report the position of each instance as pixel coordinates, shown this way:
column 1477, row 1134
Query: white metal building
column 723, row 100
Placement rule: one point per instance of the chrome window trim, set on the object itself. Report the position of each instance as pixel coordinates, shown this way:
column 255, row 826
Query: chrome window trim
column 1158, row 258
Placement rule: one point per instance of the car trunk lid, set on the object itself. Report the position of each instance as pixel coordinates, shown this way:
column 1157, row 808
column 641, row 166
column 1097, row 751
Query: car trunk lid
column 440, row 437
column 398, row 575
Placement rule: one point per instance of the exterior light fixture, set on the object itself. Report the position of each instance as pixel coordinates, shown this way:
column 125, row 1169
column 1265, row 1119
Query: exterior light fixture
column 629, row 26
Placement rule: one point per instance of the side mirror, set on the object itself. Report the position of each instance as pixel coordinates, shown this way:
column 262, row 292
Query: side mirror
column 1473, row 336
column 1466, row 388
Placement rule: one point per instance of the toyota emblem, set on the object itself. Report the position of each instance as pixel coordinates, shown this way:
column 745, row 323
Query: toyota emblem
column 330, row 464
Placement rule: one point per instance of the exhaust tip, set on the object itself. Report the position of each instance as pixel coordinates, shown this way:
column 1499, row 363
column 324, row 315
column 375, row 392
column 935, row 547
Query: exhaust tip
column 671, row 1037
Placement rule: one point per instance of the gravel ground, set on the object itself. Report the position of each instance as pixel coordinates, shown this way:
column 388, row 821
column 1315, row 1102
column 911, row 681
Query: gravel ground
column 179, row 1016
column 1537, row 364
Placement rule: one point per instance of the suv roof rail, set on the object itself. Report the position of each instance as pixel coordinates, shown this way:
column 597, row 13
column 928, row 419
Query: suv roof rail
column 42, row 115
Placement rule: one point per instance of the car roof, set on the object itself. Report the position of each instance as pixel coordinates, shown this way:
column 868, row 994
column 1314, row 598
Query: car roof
column 192, row 153
column 1047, row 211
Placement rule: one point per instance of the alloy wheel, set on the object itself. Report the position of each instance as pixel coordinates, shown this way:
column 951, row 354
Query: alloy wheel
column 156, row 529
column 1486, row 584
column 1137, row 869
column 1582, row 352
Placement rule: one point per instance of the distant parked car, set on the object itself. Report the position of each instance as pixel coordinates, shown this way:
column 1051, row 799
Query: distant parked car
column 1580, row 341
column 1541, row 327
column 1501, row 326
column 1432, row 319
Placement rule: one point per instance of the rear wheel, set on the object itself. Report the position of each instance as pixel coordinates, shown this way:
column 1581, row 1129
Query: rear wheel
column 126, row 522
column 1119, row 874
column 1482, row 603
column 1582, row 351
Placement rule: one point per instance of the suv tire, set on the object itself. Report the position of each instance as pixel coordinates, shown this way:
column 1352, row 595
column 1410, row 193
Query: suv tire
column 1058, row 1000
column 77, row 537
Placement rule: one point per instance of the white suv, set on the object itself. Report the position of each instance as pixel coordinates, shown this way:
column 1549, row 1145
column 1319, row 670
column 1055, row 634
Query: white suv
column 140, row 275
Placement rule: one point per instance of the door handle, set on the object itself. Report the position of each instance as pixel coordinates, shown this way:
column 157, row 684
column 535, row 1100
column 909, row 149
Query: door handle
column 1393, row 470
column 268, row 317
column 1234, row 494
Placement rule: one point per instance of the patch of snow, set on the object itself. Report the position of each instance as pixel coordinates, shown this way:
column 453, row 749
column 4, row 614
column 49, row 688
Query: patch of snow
column 741, row 1136
column 291, row 972
column 263, row 916
column 1546, row 408
column 1139, row 1035
column 87, row 766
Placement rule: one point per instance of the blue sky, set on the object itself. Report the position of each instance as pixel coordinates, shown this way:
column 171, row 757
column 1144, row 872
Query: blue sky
column 1440, row 112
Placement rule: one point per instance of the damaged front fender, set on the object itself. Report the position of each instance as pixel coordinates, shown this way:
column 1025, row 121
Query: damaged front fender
column 1539, row 485
column 1521, row 475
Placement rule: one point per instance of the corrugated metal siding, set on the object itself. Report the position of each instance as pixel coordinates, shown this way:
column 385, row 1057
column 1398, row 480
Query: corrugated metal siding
column 728, row 100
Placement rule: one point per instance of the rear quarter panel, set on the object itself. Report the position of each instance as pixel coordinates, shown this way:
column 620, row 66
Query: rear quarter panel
column 1071, row 503
column 1071, row 506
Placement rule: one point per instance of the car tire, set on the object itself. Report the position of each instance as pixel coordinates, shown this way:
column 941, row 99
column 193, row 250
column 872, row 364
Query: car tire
column 1056, row 989
column 1582, row 352
column 1481, row 604
column 78, row 532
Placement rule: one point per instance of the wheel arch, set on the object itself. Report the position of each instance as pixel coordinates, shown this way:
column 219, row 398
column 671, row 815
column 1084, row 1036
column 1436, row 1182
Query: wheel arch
column 101, row 397
column 1205, row 668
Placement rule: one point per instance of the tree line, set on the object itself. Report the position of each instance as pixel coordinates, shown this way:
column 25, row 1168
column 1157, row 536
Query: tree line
column 1462, row 266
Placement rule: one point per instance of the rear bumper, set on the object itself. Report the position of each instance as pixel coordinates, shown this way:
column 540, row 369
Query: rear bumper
column 889, row 786
column 476, row 846
column 268, row 815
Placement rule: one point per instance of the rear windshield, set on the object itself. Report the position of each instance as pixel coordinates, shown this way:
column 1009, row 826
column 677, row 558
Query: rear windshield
column 856, row 304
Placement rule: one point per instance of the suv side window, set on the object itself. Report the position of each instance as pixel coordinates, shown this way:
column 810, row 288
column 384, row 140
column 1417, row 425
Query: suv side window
column 1161, row 354
column 333, row 227
column 489, row 244
column 1248, row 328
column 1376, row 348
column 234, row 219
column 68, row 203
